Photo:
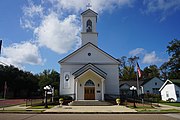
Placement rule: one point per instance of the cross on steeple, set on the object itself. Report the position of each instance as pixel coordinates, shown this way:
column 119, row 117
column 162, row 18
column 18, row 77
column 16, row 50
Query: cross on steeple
column 88, row 6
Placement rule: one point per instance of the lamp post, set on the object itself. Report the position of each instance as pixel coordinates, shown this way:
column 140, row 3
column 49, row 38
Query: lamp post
column 133, row 94
column 46, row 89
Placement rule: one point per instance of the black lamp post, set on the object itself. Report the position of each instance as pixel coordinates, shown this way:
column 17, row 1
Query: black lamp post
column 46, row 89
column 133, row 94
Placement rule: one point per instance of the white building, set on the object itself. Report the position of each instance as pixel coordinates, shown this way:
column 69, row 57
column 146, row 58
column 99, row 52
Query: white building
column 148, row 86
column 89, row 73
column 152, row 86
column 170, row 90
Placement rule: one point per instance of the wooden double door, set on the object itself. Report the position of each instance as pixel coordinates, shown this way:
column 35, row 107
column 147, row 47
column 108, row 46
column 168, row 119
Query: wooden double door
column 89, row 93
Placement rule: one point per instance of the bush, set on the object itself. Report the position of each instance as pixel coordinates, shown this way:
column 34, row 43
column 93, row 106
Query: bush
column 65, row 97
column 152, row 97
column 171, row 100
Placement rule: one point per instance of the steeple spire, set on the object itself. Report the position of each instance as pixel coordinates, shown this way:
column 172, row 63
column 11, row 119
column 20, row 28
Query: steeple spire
column 89, row 20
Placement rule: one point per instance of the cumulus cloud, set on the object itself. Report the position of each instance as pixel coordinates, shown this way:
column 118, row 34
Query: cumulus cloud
column 32, row 14
column 151, row 58
column 147, row 57
column 136, row 51
column 58, row 35
column 97, row 5
column 166, row 7
column 102, row 5
column 18, row 54
column 58, row 27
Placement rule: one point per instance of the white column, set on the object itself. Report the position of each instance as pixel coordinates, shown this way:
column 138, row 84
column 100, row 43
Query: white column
column 102, row 90
column 76, row 89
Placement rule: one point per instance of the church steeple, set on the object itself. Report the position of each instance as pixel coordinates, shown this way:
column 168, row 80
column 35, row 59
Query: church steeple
column 89, row 20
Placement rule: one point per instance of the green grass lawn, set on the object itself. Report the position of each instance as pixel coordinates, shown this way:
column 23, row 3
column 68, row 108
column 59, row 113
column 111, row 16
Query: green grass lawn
column 156, row 110
column 171, row 103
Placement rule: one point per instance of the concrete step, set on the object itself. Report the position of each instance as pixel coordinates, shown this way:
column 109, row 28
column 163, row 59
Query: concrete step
column 89, row 103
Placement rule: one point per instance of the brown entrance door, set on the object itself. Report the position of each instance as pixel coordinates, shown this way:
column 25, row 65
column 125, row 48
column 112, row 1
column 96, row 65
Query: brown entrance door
column 89, row 93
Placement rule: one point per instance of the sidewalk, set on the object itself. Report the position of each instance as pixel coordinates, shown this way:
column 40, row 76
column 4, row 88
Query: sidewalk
column 16, row 107
column 76, row 109
column 82, row 109
column 89, row 109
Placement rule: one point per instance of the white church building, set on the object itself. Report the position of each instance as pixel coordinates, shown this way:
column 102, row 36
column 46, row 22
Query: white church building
column 89, row 73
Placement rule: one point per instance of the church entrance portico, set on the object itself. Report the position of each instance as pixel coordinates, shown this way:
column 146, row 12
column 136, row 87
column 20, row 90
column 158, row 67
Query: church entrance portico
column 89, row 84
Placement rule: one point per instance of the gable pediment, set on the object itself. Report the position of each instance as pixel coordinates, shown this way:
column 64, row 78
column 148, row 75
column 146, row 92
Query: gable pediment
column 89, row 53
column 89, row 12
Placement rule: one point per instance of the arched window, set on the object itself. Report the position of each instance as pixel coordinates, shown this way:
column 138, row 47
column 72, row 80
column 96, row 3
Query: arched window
column 89, row 26
column 89, row 83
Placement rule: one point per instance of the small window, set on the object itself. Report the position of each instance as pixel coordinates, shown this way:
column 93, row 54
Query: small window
column 89, row 83
column 155, row 90
column 167, row 94
column 177, row 94
column 155, row 83
column 147, row 91
column 89, row 26
column 89, row 54
column 98, row 91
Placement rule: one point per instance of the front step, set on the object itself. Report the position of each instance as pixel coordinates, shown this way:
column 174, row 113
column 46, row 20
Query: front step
column 89, row 103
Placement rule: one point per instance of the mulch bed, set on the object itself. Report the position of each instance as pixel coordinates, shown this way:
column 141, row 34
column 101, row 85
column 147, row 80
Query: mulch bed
column 10, row 102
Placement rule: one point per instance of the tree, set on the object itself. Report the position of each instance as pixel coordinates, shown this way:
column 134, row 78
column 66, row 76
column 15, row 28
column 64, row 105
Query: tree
column 20, row 84
column 164, row 70
column 150, row 72
column 173, row 64
column 127, row 68
column 49, row 77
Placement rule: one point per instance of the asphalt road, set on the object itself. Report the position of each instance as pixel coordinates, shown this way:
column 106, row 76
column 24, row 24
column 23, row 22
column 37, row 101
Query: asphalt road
column 5, row 116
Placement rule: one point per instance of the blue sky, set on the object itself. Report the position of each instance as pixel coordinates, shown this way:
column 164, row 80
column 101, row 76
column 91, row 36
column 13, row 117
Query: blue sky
column 36, row 34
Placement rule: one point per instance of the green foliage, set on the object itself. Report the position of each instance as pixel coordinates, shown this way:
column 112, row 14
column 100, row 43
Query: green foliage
column 152, row 97
column 176, row 104
column 66, row 97
column 170, row 69
column 49, row 77
column 19, row 83
column 61, row 99
column 23, row 84
column 174, row 63
column 127, row 68
column 150, row 72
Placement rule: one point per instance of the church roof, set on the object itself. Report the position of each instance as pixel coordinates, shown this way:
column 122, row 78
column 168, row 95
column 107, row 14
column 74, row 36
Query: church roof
column 83, row 47
column 130, row 82
column 87, row 67
column 89, row 10
column 149, row 79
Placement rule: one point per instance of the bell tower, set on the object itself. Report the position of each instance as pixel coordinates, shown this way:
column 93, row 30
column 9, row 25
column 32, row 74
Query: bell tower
column 89, row 20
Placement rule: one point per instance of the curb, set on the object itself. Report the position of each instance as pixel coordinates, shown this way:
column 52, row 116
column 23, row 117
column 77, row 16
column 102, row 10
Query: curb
column 31, row 112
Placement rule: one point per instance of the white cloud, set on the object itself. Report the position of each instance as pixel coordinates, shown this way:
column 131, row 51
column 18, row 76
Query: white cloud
column 32, row 13
column 163, row 5
column 57, row 26
column 102, row 5
column 136, row 51
column 58, row 35
column 97, row 5
column 166, row 7
column 22, row 53
column 32, row 9
column 151, row 58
